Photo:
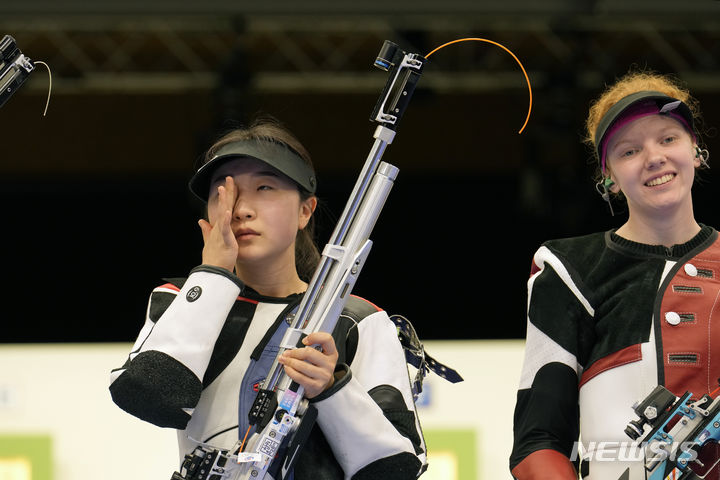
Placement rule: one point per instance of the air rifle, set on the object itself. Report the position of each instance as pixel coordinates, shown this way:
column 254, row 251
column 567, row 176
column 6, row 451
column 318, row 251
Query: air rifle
column 281, row 414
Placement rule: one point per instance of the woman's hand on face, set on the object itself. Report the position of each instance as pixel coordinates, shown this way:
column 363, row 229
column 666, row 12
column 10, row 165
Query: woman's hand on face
column 312, row 368
column 221, row 248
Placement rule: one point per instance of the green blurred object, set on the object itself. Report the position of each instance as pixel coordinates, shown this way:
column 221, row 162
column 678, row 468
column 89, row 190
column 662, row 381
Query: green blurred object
column 33, row 450
column 460, row 444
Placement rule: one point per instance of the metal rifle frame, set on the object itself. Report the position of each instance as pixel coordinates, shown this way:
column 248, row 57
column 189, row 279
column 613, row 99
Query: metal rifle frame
column 15, row 68
column 342, row 260
column 679, row 429
column 280, row 411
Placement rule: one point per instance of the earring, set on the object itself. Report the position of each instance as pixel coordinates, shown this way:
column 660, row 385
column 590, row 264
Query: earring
column 703, row 155
column 603, row 189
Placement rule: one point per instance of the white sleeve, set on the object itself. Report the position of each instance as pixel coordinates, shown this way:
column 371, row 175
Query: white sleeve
column 161, row 381
column 355, row 418
column 189, row 328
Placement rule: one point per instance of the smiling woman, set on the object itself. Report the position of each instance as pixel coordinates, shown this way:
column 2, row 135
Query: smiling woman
column 652, row 160
column 644, row 126
column 612, row 315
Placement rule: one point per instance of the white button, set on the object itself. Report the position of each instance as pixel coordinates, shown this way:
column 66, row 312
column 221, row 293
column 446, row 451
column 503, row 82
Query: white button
column 672, row 318
column 690, row 269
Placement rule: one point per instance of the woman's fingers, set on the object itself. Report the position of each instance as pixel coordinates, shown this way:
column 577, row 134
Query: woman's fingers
column 226, row 231
column 205, row 229
column 324, row 340
column 313, row 379
column 229, row 193
column 220, row 246
column 310, row 367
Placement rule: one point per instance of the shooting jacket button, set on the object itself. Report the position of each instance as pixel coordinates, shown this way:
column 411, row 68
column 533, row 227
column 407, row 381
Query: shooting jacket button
column 691, row 270
column 673, row 318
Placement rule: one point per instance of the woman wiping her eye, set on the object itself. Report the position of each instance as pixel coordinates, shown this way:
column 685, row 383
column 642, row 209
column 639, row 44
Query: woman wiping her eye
column 209, row 339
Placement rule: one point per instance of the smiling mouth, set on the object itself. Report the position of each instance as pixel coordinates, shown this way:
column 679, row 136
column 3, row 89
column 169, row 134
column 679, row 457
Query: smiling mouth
column 660, row 180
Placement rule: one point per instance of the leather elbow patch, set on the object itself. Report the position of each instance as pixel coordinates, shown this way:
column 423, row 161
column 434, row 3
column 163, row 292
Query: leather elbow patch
column 156, row 388
column 393, row 406
column 388, row 397
column 401, row 466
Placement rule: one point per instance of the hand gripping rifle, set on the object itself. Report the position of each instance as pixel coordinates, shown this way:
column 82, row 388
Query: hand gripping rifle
column 281, row 415
column 682, row 441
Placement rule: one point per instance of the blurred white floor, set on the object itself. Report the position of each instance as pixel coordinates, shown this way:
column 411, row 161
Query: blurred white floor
column 61, row 391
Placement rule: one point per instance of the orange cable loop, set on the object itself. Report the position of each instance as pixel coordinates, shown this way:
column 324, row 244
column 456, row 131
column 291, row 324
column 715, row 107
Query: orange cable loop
column 242, row 446
column 507, row 50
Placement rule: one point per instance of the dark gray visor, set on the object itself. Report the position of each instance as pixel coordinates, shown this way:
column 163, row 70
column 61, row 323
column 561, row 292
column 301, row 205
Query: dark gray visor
column 277, row 155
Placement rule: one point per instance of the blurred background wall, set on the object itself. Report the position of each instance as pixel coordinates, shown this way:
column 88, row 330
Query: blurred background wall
column 96, row 210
